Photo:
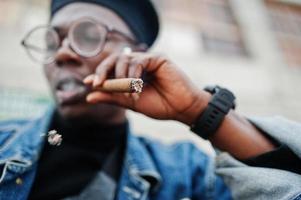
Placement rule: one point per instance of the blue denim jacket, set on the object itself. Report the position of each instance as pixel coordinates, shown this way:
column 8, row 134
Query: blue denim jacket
column 151, row 170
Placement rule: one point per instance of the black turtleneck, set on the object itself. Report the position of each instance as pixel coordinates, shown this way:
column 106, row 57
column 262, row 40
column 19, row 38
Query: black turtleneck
column 65, row 170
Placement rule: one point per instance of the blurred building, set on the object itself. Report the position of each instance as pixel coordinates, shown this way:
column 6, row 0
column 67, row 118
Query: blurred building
column 252, row 47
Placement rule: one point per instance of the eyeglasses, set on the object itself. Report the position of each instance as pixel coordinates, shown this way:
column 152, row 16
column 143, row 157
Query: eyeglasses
column 86, row 37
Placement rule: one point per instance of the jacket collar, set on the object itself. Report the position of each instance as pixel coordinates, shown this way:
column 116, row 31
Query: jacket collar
column 24, row 146
column 21, row 148
column 24, row 140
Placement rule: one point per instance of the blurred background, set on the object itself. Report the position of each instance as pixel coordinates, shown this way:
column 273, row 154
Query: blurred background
column 252, row 47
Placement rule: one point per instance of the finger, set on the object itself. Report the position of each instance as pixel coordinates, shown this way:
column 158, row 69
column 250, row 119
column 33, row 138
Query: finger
column 120, row 99
column 103, row 69
column 150, row 61
column 122, row 65
column 135, row 96
column 135, row 70
column 89, row 79
column 96, row 97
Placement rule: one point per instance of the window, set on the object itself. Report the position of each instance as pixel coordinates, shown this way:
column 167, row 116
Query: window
column 220, row 31
column 286, row 24
column 219, row 28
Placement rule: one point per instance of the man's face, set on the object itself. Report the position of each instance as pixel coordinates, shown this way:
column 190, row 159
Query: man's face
column 66, row 73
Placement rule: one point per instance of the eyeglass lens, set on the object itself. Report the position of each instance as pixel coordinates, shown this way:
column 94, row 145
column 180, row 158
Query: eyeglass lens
column 42, row 44
column 86, row 39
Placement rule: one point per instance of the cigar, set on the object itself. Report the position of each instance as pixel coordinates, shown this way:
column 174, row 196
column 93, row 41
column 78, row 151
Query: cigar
column 126, row 85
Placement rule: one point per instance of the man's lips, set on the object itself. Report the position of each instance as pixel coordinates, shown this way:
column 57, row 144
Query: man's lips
column 70, row 91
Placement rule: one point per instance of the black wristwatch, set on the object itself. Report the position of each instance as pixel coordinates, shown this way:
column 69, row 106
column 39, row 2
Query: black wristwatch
column 211, row 118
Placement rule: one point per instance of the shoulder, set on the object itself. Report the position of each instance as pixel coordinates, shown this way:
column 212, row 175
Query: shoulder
column 10, row 129
column 178, row 152
column 177, row 142
column 13, row 125
column 20, row 125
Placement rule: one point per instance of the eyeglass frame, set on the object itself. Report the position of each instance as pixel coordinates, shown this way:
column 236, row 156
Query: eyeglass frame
column 109, row 30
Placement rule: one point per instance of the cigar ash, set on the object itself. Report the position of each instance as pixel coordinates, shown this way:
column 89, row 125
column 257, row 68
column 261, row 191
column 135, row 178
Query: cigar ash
column 136, row 85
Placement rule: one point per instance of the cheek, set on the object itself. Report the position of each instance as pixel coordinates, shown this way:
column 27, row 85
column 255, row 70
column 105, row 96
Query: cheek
column 48, row 71
column 93, row 62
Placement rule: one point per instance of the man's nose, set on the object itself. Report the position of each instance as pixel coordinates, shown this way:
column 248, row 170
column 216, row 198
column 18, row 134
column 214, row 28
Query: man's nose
column 65, row 55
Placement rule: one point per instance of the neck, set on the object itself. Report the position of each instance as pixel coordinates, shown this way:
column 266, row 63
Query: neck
column 93, row 120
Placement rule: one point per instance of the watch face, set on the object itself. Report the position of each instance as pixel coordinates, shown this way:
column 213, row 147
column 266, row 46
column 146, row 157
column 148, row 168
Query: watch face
column 227, row 96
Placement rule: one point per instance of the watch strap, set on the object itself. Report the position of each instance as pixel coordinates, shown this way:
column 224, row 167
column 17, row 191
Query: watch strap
column 211, row 118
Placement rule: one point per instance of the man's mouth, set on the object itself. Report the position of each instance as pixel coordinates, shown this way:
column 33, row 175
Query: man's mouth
column 70, row 91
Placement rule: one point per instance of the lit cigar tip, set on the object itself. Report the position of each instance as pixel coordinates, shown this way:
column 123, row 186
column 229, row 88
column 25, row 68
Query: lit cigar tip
column 137, row 85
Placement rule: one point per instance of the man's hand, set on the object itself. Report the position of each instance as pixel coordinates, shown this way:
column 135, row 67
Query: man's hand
column 167, row 94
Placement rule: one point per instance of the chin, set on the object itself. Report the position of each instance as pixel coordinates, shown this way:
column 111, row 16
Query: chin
column 73, row 111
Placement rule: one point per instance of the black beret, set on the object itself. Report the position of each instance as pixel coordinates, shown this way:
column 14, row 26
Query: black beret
column 140, row 15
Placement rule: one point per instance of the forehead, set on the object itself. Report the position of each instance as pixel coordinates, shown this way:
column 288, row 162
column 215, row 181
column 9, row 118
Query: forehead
column 75, row 11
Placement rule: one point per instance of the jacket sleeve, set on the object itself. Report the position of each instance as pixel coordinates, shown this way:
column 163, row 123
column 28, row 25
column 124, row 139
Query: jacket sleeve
column 282, row 130
column 280, row 158
column 249, row 182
